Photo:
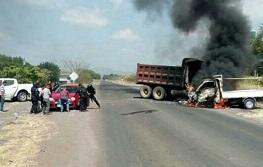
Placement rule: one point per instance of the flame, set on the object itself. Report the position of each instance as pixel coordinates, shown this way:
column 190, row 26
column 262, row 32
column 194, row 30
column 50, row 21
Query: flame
column 221, row 104
column 191, row 104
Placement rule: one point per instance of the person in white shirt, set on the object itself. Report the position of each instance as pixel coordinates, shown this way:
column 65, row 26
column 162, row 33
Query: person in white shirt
column 2, row 96
column 46, row 95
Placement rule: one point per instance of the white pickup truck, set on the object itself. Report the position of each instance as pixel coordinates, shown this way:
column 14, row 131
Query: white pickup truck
column 210, row 94
column 14, row 91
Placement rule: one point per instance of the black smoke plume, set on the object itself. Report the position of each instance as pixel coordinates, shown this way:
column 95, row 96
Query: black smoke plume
column 226, row 49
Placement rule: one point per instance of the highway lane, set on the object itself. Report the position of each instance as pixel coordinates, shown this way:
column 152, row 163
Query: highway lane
column 128, row 131
column 143, row 132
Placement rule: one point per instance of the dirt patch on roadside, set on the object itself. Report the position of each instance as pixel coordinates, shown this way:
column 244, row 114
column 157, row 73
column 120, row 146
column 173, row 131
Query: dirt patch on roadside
column 254, row 114
column 20, row 140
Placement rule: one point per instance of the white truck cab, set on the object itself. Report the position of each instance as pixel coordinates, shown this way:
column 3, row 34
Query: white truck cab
column 210, row 93
column 13, row 90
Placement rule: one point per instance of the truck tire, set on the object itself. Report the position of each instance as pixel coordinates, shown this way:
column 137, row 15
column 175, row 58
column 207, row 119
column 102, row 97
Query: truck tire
column 22, row 96
column 249, row 103
column 146, row 91
column 158, row 93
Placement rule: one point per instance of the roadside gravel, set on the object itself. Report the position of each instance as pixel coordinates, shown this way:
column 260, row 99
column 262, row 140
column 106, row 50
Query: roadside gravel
column 21, row 134
column 255, row 114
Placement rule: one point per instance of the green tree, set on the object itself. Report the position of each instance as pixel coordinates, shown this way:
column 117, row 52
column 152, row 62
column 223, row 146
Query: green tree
column 111, row 77
column 93, row 74
column 257, row 43
column 87, row 76
column 17, row 67
column 38, row 74
column 84, row 77
column 25, row 74
column 53, row 68
column 256, row 46
column 8, row 61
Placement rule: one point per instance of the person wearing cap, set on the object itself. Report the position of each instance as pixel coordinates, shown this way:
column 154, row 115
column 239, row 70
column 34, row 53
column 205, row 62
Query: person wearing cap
column 2, row 96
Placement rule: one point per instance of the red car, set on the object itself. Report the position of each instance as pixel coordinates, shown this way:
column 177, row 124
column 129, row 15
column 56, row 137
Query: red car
column 73, row 96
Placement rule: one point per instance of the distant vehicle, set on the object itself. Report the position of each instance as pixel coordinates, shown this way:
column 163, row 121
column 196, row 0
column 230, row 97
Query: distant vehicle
column 16, row 91
column 73, row 96
column 62, row 82
column 159, row 80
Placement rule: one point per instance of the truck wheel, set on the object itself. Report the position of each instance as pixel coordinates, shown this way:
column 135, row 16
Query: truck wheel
column 158, row 93
column 249, row 104
column 146, row 91
column 22, row 96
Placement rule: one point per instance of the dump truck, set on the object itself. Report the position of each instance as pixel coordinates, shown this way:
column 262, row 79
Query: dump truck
column 210, row 94
column 159, row 81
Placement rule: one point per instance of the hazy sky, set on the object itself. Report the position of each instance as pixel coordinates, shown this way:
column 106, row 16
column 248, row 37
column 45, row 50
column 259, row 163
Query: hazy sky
column 103, row 33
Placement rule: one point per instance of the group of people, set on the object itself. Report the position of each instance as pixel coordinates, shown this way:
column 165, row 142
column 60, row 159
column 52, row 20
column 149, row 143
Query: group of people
column 43, row 94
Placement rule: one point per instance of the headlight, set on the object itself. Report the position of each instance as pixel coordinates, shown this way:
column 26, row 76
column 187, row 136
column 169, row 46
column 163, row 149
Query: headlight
column 72, row 98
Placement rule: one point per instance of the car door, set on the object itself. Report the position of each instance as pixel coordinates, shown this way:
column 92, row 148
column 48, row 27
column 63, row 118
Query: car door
column 74, row 97
column 10, row 88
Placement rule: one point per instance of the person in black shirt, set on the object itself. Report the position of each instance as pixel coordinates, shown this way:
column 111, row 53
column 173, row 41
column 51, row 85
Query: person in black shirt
column 91, row 93
column 34, row 98
column 56, row 85
column 83, row 97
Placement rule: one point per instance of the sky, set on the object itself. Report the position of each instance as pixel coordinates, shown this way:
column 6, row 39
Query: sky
column 108, row 34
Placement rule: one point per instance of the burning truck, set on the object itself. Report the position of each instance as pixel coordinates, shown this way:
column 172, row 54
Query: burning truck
column 226, row 30
column 159, row 81
column 210, row 94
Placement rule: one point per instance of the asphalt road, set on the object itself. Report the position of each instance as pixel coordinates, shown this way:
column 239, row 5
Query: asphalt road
column 128, row 131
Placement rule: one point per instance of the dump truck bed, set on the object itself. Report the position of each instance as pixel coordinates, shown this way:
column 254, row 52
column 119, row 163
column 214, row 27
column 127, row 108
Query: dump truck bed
column 159, row 74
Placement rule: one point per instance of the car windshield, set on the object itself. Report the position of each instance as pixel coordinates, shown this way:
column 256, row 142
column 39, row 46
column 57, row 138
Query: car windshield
column 70, row 89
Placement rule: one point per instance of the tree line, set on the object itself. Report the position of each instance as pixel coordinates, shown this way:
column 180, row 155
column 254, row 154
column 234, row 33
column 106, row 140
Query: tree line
column 24, row 72
column 256, row 46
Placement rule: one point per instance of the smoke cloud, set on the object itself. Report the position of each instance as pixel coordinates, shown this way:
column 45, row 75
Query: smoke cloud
column 226, row 49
